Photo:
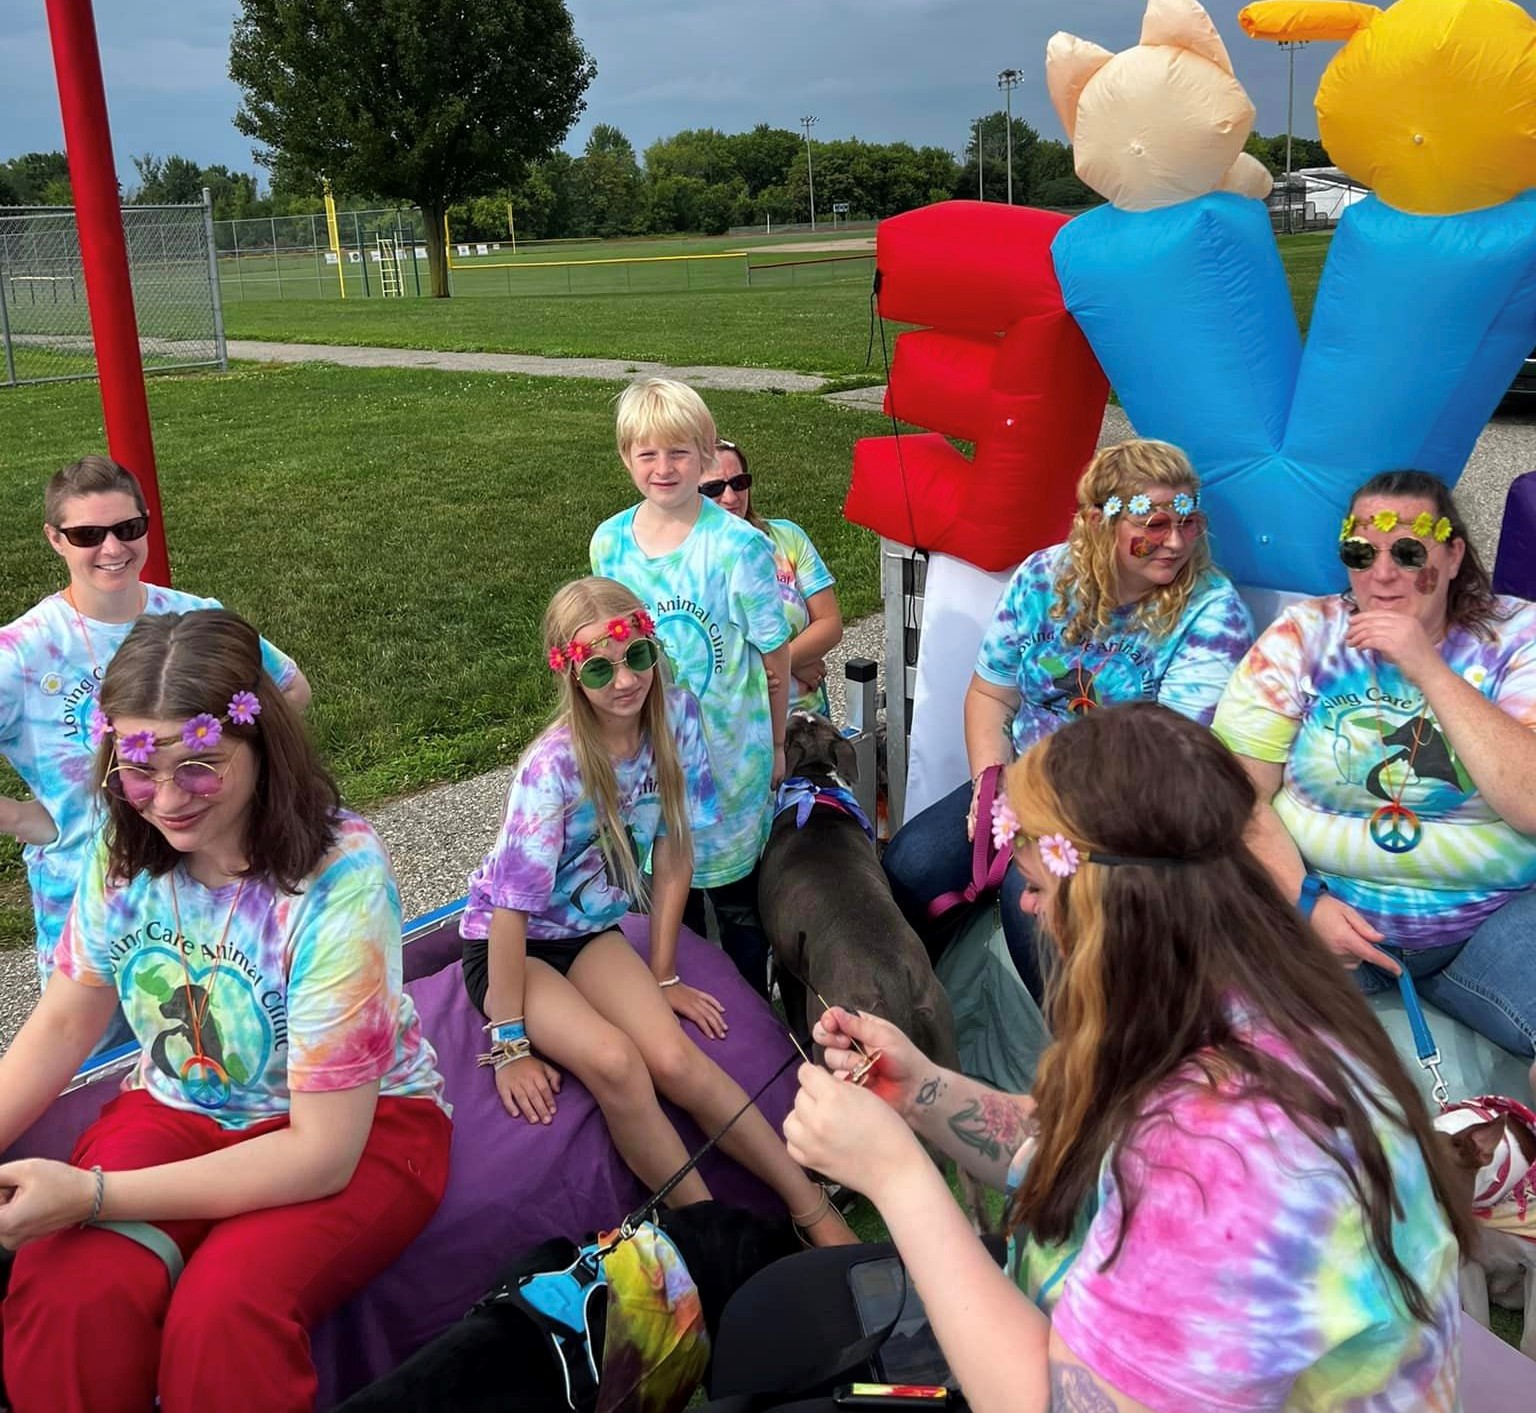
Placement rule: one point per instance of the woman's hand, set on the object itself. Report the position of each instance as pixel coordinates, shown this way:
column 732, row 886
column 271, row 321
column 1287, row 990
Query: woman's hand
column 1396, row 637
column 847, row 1134
column 1348, row 935
column 27, row 821
column 778, row 765
column 812, row 672
column 528, row 1087
column 970, row 814
column 697, row 1006
column 43, row 1197
column 897, row 1073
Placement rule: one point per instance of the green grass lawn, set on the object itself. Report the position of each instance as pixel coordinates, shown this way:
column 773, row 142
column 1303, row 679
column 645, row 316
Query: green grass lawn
column 818, row 325
column 400, row 533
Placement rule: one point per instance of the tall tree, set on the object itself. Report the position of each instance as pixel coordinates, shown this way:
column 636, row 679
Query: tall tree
column 430, row 101
column 611, row 176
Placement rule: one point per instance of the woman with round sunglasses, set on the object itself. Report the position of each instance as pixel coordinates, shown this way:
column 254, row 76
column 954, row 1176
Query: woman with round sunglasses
column 51, row 663
column 619, row 780
column 805, row 582
column 1129, row 608
column 1391, row 731
column 283, row 1136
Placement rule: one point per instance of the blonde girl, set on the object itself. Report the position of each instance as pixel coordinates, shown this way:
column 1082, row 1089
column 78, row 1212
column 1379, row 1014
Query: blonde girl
column 619, row 777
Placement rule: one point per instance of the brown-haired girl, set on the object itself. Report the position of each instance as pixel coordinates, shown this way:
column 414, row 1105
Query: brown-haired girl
column 1128, row 609
column 1226, row 1190
column 51, row 662
column 619, row 779
column 283, row 1137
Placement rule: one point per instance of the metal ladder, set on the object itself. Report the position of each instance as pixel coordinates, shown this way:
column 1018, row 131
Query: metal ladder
column 391, row 281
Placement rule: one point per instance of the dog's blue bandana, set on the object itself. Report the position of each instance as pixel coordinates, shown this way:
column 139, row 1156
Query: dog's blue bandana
column 802, row 795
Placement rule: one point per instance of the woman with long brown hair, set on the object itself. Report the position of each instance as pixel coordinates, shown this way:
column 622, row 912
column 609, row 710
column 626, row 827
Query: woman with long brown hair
column 1226, row 1193
column 1130, row 608
column 283, row 1136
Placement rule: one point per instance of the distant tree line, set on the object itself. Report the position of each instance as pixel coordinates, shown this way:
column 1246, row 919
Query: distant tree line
column 699, row 181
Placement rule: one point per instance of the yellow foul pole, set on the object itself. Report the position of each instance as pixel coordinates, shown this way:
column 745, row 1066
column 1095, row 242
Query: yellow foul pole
column 335, row 235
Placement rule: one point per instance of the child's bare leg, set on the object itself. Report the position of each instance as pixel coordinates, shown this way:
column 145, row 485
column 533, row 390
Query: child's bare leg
column 610, row 974
column 574, row 1037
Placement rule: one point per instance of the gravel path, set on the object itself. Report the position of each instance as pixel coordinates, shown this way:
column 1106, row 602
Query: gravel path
column 613, row 369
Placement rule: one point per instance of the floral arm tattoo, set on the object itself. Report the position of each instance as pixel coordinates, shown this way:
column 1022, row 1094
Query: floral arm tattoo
column 978, row 1127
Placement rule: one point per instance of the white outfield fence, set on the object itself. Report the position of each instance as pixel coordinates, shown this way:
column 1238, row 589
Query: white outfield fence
column 45, row 324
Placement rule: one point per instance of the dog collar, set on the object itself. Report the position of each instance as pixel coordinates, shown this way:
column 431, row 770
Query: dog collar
column 802, row 795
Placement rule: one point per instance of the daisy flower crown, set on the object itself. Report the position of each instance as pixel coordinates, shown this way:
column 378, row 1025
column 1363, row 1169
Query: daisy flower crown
column 638, row 624
column 198, row 733
column 1423, row 526
column 1183, row 504
column 1059, row 854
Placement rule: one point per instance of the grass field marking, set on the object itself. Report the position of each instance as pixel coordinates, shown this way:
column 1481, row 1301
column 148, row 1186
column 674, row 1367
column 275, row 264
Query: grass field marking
column 606, row 260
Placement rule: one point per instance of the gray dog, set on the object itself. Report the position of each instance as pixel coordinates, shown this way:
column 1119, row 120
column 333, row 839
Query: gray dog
column 827, row 909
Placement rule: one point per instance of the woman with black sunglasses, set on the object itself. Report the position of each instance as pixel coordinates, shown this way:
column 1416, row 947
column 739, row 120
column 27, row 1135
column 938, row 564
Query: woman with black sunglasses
column 1391, row 731
column 51, row 663
column 805, row 583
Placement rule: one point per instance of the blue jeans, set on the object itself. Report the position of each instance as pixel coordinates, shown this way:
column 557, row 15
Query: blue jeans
column 1487, row 982
column 931, row 856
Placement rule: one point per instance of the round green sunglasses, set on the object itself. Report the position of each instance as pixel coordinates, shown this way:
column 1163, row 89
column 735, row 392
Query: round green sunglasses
column 598, row 671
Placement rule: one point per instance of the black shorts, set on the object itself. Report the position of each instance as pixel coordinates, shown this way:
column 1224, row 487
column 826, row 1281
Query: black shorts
column 558, row 952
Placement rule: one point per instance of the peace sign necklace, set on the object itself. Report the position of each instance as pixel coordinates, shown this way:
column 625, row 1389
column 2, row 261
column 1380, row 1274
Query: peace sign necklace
column 1394, row 827
column 203, row 1077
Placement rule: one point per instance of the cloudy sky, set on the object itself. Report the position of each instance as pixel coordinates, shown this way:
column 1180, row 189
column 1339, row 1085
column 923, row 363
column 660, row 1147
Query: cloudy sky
column 883, row 70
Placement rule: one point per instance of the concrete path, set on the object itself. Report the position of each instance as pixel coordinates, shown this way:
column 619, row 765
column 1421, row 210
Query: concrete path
column 613, row 369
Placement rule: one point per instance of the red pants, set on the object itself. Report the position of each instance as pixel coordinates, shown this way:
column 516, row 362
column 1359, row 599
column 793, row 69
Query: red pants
column 92, row 1324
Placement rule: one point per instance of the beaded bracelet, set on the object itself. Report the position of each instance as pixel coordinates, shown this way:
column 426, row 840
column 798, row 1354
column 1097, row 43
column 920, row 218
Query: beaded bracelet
column 672, row 980
column 503, row 1052
column 101, row 1192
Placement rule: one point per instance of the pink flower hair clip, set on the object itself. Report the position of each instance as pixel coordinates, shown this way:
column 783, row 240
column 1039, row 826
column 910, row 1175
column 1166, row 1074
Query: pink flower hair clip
column 98, row 727
column 1060, row 855
column 1005, row 825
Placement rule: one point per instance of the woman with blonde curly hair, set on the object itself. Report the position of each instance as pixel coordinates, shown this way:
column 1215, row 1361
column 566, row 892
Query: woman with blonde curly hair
column 1129, row 608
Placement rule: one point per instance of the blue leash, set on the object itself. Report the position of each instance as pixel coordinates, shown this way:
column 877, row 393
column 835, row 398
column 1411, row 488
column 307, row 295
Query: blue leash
column 1423, row 1040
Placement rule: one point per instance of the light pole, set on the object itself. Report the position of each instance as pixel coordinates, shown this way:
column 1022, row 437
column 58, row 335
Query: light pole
column 808, row 122
column 981, row 190
column 1290, row 46
column 1008, row 80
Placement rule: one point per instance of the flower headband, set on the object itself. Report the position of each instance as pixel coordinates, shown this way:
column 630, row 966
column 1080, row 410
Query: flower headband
column 1058, row 853
column 1423, row 525
column 573, row 654
column 1183, row 504
column 198, row 733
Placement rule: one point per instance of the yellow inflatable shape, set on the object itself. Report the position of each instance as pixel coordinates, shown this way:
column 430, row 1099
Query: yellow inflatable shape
column 1431, row 103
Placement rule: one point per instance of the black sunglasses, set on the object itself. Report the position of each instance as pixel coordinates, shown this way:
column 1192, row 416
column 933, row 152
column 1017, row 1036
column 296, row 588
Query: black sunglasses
column 1358, row 554
column 715, row 489
column 89, row 536
column 598, row 671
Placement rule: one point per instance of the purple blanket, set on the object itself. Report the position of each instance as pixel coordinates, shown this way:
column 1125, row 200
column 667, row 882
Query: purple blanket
column 514, row 1185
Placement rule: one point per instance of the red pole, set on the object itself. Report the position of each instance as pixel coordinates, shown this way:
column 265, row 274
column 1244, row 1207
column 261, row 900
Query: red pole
column 104, row 254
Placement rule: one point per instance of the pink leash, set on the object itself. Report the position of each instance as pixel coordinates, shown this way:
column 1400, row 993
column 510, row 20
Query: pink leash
column 987, row 866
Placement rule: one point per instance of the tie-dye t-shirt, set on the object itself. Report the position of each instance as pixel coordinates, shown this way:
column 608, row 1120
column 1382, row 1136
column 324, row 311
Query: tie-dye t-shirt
column 1343, row 723
column 716, row 603
column 1246, row 1278
column 548, row 862
column 802, row 573
column 302, row 994
column 48, row 679
column 1186, row 669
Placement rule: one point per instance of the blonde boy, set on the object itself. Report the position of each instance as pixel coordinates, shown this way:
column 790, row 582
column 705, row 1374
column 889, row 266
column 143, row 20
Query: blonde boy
column 709, row 582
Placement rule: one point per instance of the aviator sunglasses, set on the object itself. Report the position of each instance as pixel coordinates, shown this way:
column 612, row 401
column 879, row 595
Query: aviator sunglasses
column 598, row 671
column 1358, row 554
column 715, row 489
column 137, row 786
column 89, row 536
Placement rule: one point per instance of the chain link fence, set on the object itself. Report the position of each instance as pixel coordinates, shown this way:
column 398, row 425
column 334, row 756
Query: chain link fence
column 45, row 324
column 290, row 257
